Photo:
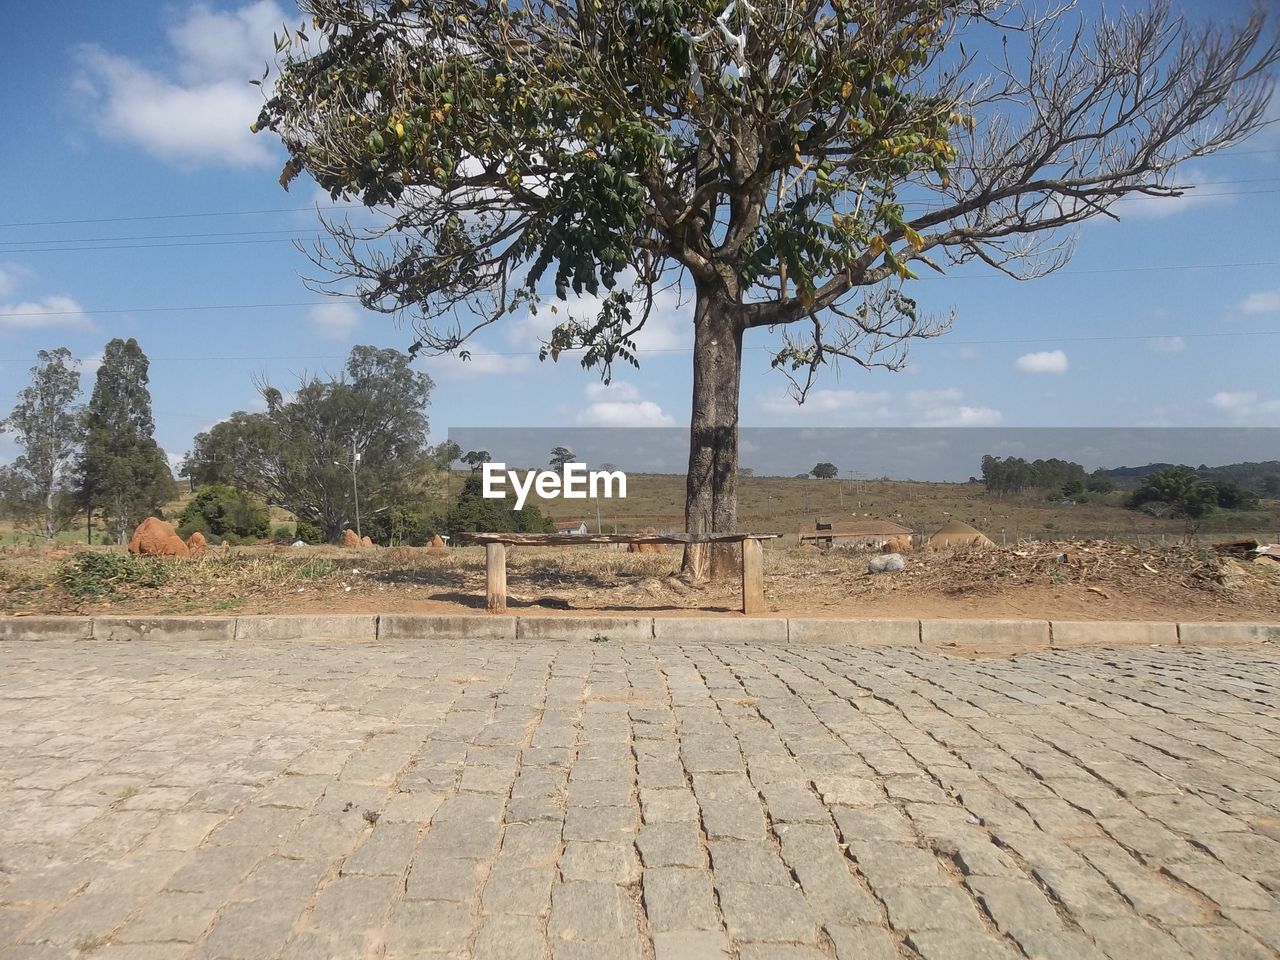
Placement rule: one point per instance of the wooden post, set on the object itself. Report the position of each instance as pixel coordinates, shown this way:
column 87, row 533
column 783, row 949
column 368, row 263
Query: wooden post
column 752, row 577
column 495, row 576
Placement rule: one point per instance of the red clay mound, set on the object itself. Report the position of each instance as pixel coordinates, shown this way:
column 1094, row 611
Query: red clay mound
column 349, row 538
column 647, row 547
column 437, row 548
column 196, row 544
column 897, row 545
column 366, row 542
column 155, row 538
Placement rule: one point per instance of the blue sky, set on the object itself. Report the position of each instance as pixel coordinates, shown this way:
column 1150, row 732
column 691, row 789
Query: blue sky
column 120, row 111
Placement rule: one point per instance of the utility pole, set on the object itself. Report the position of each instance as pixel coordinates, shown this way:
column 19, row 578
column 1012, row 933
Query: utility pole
column 355, row 489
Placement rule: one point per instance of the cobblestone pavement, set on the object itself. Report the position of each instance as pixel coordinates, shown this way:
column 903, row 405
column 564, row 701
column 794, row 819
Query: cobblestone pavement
column 605, row 800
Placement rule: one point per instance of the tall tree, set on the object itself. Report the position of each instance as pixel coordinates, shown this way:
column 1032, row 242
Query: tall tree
column 46, row 421
column 795, row 162
column 561, row 456
column 122, row 471
column 301, row 453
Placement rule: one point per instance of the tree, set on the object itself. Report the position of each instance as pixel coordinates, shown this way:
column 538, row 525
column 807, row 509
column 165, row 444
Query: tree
column 825, row 471
column 47, row 423
column 1100, row 482
column 794, row 164
column 1073, row 489
column 475, row 459
column 561, row 456
column 473, row 512
column 224, row 511
column 1189, row 495
column 234, row 452
column 446, row 453
column 300, row 453
column 1232, row 496
column 122, row 471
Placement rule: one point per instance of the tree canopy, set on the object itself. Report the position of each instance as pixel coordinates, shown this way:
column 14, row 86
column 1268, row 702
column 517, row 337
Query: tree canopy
column 300, row 453
column 47, row 423
column 797, row 163
column 122, row 471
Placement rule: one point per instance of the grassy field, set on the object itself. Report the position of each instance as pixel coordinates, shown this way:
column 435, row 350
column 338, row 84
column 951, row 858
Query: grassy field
column 785, row 505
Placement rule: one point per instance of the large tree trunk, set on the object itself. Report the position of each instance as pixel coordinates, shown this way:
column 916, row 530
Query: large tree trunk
column 711, row 493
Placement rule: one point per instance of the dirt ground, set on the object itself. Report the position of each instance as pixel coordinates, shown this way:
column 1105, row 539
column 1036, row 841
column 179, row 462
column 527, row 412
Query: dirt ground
column 1086, row 580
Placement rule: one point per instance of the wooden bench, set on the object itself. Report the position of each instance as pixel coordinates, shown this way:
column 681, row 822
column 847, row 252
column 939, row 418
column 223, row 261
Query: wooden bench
column 495, row 551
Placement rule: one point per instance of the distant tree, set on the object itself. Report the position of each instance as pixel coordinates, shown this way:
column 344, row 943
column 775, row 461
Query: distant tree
column 446, row 454
column 746, row 472
column 1073, row 489
column 1181, row 488
column 473, row 512
column 375, row 410
column 234, row 452
column 561, row 456
column 825, row 471
column 476, row 459
column 1271, row 486
column 1232, row 496
column 48, row 425
column 122, row 472
column 1100, row 482
column 224, row 511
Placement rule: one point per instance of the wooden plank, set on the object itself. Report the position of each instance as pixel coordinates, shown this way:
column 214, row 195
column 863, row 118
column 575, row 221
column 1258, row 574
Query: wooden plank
column 570, row 539
column 495, row 577
column 752, row 577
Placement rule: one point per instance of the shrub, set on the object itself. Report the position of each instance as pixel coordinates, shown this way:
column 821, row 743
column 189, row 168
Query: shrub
column 90, row 576
column 224, row 511
column 283, row 533
column 310, row 533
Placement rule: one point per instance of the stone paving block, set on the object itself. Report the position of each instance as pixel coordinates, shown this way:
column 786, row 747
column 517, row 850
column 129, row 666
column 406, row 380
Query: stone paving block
column 862, row 942
column 419, row 927
column 676, row 844
column 930, row 908
column 507, row 936
column 679, row 899
column 765, row 912
column 181, row 917
column 690, row 945
column 1018, row 907
column 590, row 911
column 445, row 879
column 940, row 945
column 611, row 862
column 249, row 930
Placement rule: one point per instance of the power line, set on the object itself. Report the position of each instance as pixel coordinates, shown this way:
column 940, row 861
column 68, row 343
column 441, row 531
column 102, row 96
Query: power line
column 156, row 236
column 1135, row 337
column 1227, row 154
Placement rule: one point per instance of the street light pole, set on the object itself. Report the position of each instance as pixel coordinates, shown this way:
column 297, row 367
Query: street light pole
column 355, row 489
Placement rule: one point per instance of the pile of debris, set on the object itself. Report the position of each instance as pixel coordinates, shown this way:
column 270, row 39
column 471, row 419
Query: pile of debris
column 1102, row 566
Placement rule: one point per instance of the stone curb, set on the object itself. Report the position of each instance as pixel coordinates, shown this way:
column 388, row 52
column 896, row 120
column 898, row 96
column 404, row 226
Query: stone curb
column 981, row 636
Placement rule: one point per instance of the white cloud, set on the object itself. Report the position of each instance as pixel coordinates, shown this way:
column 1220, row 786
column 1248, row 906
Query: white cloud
column 334, row 321
column 480, row 364
column 1205, row 192
column 89, row 365
column 862, row 405
column 669, row 327
column 620, row 405
column 1168, row 344
column 46, row 313
column 201, row 115
column 1264, row 301
column 10, row 276
column 1246, row 406
column 1045, row 361
column 943, row 408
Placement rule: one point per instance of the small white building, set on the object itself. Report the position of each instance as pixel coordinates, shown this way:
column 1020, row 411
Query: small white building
column 572, row 527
